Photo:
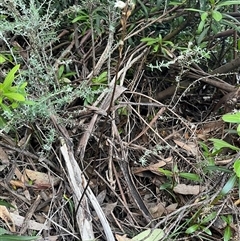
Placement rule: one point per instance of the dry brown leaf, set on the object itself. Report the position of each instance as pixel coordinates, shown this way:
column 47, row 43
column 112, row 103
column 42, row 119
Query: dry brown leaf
column 211, row 126
column 223, row 162
column 18, row 220
column 153, row 167
column 190, row 147
column 6, row 217
column 187, row 189
column 157, row 210
column 109, row 208
column 17, row 183
column 122, row 238
column 3, row 156
column 41, row 180
column 171, row 208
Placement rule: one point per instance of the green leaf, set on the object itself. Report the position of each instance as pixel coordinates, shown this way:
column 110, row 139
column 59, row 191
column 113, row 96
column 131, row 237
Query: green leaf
column 227, row 3
column 15, row 96
column 217, row 15
column 217, row 168
column 227, row 234
column 3, row 231
column 218, row 144
column 143, row 6
column 209, row 218
column 5, row 108
column 29, row 102
column 229, row 185
column 6, row 204
column 150, row 41
column 200, row 27
column 194, row 10
column 206, row 230
column 149, row 235
column 101, row 79
column 10, row 77
column 60, row 71
column 166, row 172
column 204, row 16
column 82, row 17
column 2, row 59
column 190, row 176
column 232, row 118
column 202, row 35
column 236, row 167
column 192, row 229
column 238, row 129
column 17, row 238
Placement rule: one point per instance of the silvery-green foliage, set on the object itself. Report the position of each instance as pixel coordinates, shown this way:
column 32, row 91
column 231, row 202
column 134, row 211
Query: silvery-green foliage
column 38, row 30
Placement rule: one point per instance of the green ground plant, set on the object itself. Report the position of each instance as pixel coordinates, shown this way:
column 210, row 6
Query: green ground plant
column 11, row 96
column 219, row 144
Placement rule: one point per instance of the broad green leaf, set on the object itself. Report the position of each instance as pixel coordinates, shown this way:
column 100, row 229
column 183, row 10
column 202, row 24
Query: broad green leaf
column 10, row 77
column 194, row 10
column 23, row 85
column 217, row 15
column 218, row 144
column 238, row 129
column 101, row 79
column 232, row 118
column 6, row 204
column 5, row 107
column 190, row 176
column 82, row 17
column 229, row 185
column 60, row 71
column 14, row 105
column 149, row 235
column 143, row 6
column 236, row 167
column 200, row 27
column 15, row 96
column 227, row 3
column 217, row 168
column 29, row 102
column 3, row 231
column 206, row 230
column 202, row 35
column 166, row 172
column 3, row 123
column 17, row 238
column 227, row 234
column 204, row 16
column 209, row 218
column 155, row 49
column 175, row 3
column 192, row 229
column 2, row 59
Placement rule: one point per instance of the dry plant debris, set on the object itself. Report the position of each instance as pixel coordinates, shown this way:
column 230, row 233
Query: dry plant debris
column 130, row 160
